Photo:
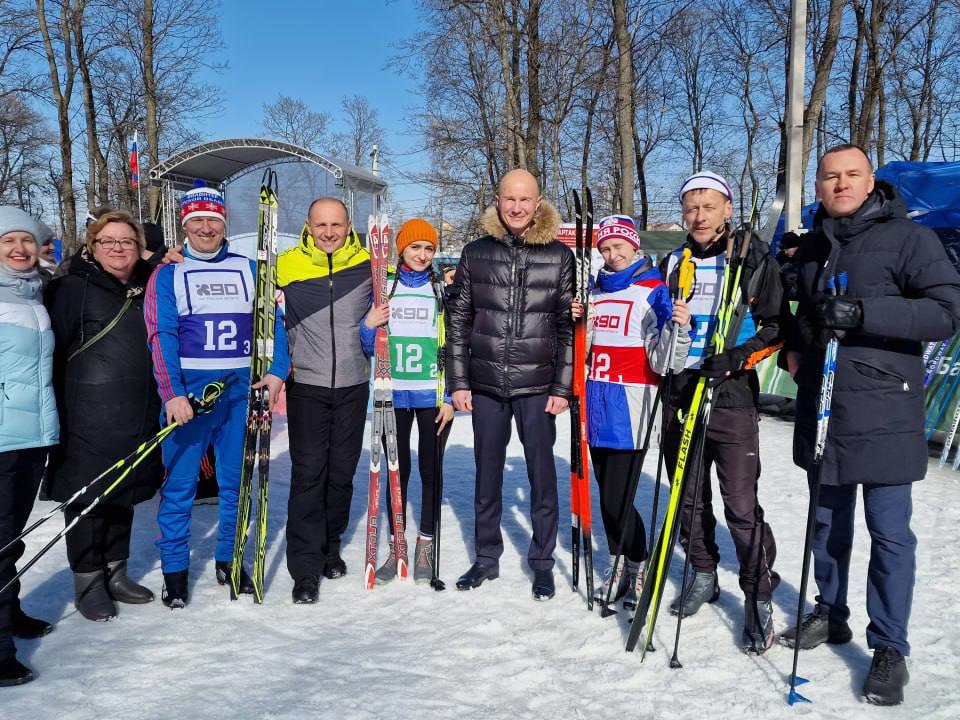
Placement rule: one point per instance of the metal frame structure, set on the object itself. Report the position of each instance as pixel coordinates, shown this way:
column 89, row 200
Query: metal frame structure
column 220, row 161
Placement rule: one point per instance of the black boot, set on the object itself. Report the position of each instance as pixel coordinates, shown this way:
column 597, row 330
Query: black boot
column 543, row 587
column 474, row 577
column 91, row 597
column 702, row 588
column 817, row 628
column 888, row 675
column 335, row 568
column 175, row 593
column 757, row 636
column 122, row 588
column 224, row 570
column 28, row 628
column 306, row 591
column 14, row 672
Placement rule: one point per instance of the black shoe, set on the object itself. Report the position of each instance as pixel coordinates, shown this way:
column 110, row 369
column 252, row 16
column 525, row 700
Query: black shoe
column 14, row 672
column 543, row 587
column 817, row 628
column 306, row 590
column 888, row 675
column 702, row 587
column 28, row 628
column 224, row 569
column 122, row 588
column 336, row 568
column 757, row 636
column 91, row 597
column 175, row 593
column 474, row 577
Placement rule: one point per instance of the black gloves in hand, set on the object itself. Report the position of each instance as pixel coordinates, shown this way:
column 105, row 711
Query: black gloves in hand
column 718, row 366
column 839, row 313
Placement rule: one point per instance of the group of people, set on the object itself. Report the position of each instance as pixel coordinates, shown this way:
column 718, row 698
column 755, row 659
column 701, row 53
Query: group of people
column 116, row 345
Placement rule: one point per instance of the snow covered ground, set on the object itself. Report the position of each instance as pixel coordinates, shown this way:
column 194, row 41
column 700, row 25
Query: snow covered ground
column 405, row 651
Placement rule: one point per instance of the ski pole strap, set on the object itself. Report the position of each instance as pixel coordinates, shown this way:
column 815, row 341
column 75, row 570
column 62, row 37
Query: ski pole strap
column 211, row 392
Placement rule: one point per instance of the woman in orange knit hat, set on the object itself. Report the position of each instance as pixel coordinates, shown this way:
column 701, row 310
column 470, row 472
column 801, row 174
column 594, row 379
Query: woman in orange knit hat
column 415, row 316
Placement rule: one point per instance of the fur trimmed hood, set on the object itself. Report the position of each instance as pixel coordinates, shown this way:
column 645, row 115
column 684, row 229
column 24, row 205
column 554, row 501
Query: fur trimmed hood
column 546, row 223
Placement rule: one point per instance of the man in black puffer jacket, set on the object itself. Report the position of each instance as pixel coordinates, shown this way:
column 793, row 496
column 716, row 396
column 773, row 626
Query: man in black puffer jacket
column 901, row 291
column 509, row 355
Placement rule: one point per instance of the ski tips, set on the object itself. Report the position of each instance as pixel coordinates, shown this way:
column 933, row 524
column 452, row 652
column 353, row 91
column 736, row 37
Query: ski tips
column 793, row 697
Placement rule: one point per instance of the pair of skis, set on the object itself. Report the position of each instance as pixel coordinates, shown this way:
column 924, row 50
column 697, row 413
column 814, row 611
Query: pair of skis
column 384, row 433
column 579, row 450
column 256, row 441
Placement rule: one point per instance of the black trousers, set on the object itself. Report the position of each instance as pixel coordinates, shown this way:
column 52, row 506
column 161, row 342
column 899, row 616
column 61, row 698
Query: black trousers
column 100, row 537
column 616, row 471
column 20, row 475
column 733, row 446
column 325, row 428
column 538, row 431
column 427, row 461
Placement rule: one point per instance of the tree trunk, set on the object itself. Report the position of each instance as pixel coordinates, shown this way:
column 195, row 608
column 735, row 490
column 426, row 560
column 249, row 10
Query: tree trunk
column 150, row 100
column 534, row 105
column 821, row 78
column 625, row 105
column 97, row 185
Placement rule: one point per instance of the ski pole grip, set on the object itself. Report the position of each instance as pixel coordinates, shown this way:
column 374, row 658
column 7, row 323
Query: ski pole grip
column 842, row 282
column 688, row 270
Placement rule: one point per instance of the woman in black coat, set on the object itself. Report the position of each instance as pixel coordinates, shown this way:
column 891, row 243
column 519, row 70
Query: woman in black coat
column 108, row 405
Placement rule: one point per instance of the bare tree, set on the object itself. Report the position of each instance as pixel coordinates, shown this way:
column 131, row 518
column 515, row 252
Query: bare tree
column 291, row 120
column 363, row 129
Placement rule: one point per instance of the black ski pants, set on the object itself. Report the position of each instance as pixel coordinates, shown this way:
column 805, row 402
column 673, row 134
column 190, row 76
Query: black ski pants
column 537, row 430
column 427, row 440
column 20, row 475
column 616, row 470
column 102, row 536
column 733, row 446
column 326, row 429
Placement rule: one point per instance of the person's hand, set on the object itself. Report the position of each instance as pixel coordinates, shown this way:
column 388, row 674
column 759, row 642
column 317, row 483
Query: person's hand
column 448, row 275
column 725, row 363
column 839, row 313
column 173, row 255
column 793, row 362
column 274, row 385
column 576, row 309
column 463, row 400
column 681, row 313
column 377, row 316
column 556, row 405
column 179, row 410
column 444, row 417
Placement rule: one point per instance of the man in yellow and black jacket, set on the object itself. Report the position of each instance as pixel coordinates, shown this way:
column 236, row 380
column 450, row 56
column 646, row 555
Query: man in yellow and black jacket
column 327, row 287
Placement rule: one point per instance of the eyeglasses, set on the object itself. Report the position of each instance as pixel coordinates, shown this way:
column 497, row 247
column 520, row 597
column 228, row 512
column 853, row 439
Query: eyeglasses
column 108, row 243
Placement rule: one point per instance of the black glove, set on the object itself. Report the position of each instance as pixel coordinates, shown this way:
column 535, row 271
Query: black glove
column 838, row 313
column 718, row 366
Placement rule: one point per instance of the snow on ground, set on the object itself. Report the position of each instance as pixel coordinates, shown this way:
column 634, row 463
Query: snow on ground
column 405, row 651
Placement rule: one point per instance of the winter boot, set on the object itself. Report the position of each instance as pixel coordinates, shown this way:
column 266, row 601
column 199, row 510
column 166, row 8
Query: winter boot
column 423, row 565
column 618, row 581
column 224, row 569
column 817, row 628
column 175, row 593
column 28, row 628
column 758, row 634
column 14, row 672
column 634, row 585
column 91, row 597
column 122, row 588
column 702, row 587
column 888, row 675
column 388, row 571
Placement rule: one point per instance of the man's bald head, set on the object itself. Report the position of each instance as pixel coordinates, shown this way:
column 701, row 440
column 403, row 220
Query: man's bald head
column 518, row 199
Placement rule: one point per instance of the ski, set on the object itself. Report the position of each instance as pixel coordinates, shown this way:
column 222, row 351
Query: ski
column 256, row 441
column 384, row 430
column 579, row 450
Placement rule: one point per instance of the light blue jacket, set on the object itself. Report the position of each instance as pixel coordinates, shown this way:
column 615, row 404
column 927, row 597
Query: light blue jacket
column 28, row 411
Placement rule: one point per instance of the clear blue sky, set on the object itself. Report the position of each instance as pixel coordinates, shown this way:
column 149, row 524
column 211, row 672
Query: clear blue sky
column 319, row 51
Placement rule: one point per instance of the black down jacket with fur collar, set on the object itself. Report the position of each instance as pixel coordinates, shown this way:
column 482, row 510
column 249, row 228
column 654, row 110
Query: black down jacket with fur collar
column 509, row 329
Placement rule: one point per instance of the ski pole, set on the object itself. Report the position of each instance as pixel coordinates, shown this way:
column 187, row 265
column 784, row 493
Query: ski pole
column 209, row 396
column 144, row 448
column 823, row 424
column 435, row 582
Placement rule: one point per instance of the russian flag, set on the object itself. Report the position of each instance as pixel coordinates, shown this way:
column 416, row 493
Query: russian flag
column 134, row 163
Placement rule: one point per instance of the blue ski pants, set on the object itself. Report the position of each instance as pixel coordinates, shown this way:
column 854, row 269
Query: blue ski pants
column 893, row 557
column 223, row 427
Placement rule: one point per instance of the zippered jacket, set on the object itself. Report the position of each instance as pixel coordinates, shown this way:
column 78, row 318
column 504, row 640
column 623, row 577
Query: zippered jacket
column 325, row 297
column 509, row 327
column 909, row 293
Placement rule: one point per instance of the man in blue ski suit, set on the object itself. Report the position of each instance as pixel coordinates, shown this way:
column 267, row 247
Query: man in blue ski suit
column 199, row 327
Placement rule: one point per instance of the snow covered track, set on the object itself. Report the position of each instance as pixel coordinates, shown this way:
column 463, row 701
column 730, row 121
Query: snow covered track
column 489, row 653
